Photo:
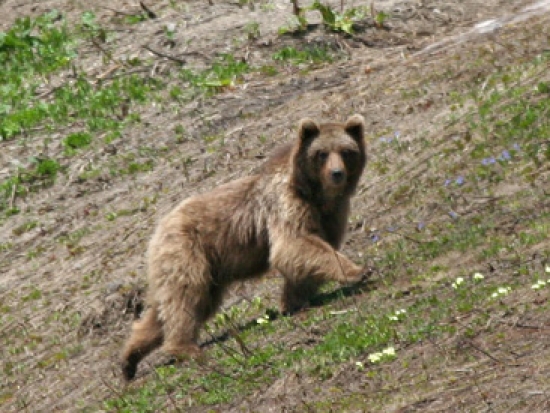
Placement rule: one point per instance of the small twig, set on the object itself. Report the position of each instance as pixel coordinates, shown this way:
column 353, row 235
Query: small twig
column 234, row 332
column 108, row 72
column 117, row 11
column 167, row 56
column 49, row 92
column 226, row 349
column 12, row 197
column 521, row 325
column 147, row 10
column 475, row 347
column 295, row 8
column 114, row 391
column 105, row 52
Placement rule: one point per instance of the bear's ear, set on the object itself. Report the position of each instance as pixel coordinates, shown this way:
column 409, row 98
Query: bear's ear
column 355, row 127
column 308, row 130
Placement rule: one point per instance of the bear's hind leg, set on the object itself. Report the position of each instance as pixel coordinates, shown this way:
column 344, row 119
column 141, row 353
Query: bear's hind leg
column 187, row 316
column 146, row 336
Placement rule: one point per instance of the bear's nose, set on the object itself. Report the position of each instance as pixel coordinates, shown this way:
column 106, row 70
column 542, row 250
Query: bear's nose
column 337, row 175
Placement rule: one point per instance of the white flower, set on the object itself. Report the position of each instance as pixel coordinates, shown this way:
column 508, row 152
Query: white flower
column 263, row 320
column 501, row 291
column 458, row 282
column 547, row 269
column 478, row 276
column 538, row 285
column 397, row 316
column 387, row 353
column 375, row 357
column 390, row 351
column 504, row 290
column 360, row 365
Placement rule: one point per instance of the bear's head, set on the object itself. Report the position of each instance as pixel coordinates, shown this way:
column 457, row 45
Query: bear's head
column 328, row 159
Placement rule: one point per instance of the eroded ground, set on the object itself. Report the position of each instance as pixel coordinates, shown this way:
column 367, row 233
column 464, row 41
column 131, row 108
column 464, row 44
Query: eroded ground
column 451, row 189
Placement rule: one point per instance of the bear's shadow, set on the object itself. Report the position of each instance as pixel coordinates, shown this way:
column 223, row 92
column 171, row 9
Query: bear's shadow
column 317, row 301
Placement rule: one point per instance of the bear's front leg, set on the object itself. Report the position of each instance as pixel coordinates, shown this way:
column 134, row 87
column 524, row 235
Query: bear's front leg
column 309, row 257
column 297, row 293
column 306, row 262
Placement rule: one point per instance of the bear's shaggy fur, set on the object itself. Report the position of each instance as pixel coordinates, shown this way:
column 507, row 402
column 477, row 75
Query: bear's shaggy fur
column 291, row 217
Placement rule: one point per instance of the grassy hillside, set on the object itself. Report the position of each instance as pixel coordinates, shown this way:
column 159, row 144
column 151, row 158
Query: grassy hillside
column 109, row 116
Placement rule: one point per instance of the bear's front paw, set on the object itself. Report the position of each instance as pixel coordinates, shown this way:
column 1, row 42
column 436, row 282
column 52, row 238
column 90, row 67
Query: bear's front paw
column 359, row 274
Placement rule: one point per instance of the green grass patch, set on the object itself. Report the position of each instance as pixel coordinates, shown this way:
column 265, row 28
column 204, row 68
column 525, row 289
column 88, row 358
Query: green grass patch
column 224, row 73
column 41, row 173
column 26, row 227
column 31, row 50
column 76, row 140
column 349, row 336
column 34, row 52
column 307, row 55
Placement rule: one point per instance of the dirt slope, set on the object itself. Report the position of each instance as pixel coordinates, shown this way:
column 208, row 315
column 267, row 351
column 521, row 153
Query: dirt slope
column 61, row 349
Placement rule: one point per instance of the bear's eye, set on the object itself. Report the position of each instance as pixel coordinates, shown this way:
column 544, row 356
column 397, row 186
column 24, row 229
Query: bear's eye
column 322, row 155
column 348, row 153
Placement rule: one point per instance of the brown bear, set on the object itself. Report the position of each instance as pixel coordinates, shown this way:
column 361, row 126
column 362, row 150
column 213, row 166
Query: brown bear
column 291, row 217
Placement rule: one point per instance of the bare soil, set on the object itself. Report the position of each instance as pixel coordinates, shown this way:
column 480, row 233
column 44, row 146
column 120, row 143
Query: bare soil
column 501, row 371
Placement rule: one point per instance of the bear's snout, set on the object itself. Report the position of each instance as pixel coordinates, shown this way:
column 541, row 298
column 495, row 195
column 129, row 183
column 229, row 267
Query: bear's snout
column 337, row 175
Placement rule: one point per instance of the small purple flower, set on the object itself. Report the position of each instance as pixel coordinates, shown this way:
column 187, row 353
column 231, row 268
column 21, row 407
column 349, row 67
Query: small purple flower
column 374, row 238
column 392, row 229
column 506, row 155
column 383, row 139
column 488, row 161
column 447, row 182
column 460, row 180
column 397, row 134
column 421, row 226
column 453, row 214
column 516, row 147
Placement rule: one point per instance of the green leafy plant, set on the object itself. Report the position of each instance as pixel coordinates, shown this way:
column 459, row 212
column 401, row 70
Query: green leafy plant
column 335, row 21
column 380, row 18
column 252, row 30
column 295, row 24
column 77, row 140
column 332, row 19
